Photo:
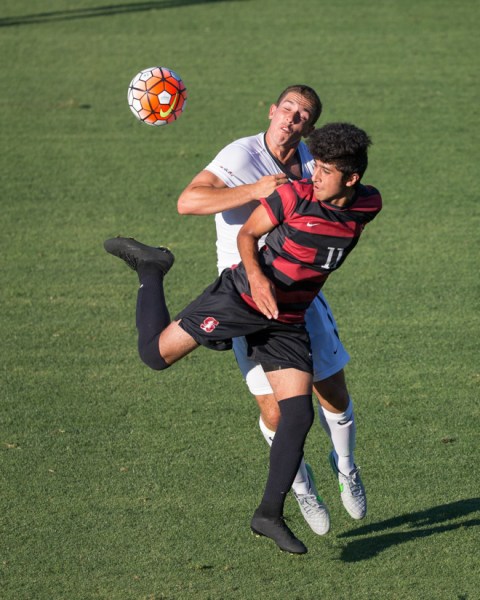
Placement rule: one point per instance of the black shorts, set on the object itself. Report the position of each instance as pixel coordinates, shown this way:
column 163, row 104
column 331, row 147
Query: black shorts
column 219, row 314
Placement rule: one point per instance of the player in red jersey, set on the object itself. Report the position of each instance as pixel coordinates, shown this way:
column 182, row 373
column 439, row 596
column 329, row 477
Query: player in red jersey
column 228, row 187
column 311, row 226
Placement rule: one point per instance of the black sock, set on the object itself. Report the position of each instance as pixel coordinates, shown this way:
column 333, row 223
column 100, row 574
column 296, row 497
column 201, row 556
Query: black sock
column 152, row 315
column 286, row 452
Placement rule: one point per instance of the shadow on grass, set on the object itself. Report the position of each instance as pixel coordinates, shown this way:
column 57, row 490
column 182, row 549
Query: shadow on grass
column 420, row 525
column 100, row 11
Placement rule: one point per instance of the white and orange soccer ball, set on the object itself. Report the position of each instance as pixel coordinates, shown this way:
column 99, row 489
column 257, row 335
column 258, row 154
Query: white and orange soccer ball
column 157, row 96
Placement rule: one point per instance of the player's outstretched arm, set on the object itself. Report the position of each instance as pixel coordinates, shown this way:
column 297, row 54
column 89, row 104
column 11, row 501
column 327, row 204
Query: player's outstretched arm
column 261, row 288
column 207, row 194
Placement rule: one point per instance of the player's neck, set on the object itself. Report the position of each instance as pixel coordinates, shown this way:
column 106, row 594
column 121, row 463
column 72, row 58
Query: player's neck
column 286, row 156
column 344, row 200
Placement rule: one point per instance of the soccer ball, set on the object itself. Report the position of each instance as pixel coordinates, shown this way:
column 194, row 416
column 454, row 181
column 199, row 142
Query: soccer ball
column 157, row 96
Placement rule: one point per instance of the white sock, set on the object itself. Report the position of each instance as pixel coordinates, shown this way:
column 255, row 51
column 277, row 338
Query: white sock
column 341, row 430
column 300, row 483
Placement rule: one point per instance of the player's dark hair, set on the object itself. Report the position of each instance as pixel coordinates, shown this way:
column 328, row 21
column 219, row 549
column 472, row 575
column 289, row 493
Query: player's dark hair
column 341, row 144
column 309, row 94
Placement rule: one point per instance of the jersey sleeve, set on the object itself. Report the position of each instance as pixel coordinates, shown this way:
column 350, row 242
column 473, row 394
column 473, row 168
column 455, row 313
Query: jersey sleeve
column 233, row 165
column 281, row 204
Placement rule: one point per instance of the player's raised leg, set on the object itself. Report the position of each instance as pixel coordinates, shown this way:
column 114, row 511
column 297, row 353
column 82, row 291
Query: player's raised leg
column 160, row 343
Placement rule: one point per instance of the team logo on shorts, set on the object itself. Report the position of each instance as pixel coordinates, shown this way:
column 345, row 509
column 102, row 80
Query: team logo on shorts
column 209, row 324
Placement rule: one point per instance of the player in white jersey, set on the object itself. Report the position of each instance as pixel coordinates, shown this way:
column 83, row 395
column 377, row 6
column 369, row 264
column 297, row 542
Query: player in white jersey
column 245, row 161
column 245, row 170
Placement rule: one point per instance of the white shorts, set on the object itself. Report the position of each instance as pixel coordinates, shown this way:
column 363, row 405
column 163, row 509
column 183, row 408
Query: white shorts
column 328, row 353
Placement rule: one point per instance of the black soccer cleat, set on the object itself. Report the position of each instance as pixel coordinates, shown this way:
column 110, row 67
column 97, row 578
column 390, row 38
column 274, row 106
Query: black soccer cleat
column 133, row 253
column 276, row 529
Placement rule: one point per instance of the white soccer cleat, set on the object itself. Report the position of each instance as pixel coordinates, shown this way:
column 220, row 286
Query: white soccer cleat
column 313, row 509
column 352, row 491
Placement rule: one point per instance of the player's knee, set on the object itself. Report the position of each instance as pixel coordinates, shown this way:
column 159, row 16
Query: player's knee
column 306, row 417
column 150, row 355
column 271, row 420
column 298, row 412
column 332, row 391
column 269, row 411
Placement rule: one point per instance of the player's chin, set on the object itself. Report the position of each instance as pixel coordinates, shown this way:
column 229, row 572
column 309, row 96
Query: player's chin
column 287, row 135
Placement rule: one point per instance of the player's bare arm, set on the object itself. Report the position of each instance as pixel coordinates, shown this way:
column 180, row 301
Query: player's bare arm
column 207, row 194
column 261, row 287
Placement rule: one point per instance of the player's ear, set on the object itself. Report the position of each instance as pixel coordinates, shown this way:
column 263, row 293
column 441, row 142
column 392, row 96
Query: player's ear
column 352, row 179
column 273, row 108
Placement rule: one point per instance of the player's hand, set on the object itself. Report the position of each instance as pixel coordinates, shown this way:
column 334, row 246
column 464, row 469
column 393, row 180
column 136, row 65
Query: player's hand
column 267, row 184
column 263, row 294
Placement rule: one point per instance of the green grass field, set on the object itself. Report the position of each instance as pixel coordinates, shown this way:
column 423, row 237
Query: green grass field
column 119, row 483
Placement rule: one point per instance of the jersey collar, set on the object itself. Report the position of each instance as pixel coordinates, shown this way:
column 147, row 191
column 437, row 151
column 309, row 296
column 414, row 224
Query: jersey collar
column 282, row 167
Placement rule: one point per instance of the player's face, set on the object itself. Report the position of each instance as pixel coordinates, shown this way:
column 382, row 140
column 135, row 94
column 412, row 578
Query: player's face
column 330, row 184
column 290, row 119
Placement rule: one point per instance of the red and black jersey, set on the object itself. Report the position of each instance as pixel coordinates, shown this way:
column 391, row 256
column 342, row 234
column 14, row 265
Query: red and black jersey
column 310, row 240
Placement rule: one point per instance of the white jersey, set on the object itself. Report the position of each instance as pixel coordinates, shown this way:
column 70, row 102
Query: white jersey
column 244, row 161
